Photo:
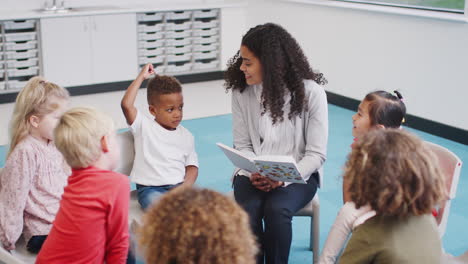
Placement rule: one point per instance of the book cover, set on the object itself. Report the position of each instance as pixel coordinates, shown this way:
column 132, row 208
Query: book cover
column 276, row 167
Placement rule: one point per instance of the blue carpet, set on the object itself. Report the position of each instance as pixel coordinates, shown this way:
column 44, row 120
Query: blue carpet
column 215, row 173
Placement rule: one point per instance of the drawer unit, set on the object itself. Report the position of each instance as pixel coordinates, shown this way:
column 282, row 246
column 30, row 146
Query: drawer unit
column 27, row 71
column 16, row 85
column 177, row 68
column 205, row 47
column 202, row 24
column 19, row 24
column 151, row 28
column 190, row 40
column 178, row 34
column 205, row 55
column 178, row 26
column 150, row 35
column 151, row 59
column 179, row 49
column 209, row 13
column 20, row 45
column 2, row 85
column 178, row 15
column 151, row 43
column 20, row 63
column 206, row 40
column 205, row 32
column 179, row 57
column 178, row 42
column 20, row 36
column 150, row 16
column 151, row 51
column 19, row 54
column 200, row 65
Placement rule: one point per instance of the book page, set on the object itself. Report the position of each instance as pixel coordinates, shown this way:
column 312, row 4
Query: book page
column 237, row 158
column 275, row 169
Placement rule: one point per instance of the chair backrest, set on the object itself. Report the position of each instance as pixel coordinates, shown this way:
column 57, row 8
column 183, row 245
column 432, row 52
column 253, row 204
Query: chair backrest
column 450, row 166
column 7, row 258
column 127, row 152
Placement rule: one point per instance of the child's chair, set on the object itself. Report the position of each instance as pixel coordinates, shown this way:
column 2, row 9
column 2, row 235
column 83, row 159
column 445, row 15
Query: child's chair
column 127, row 155
column 450, row 165
column 312, row 210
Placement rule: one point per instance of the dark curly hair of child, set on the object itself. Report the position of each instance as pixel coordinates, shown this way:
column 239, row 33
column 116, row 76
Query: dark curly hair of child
column 395, row 173
column 161, row 84
column 284, row 69
column 195, row 226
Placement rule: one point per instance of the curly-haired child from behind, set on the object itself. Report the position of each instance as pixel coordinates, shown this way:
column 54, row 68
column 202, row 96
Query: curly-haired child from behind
column 35, row 172
column 394, row 173
column 92, row 223
column 197, row 226
column 165, row 154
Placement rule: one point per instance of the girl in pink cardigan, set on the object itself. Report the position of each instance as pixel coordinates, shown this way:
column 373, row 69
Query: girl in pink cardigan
column 35, row 172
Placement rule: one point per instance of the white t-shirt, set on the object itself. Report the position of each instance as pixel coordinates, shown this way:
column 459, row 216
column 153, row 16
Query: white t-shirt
column 161, row 155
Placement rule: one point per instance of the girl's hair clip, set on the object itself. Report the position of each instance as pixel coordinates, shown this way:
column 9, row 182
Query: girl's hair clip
column 398, row 95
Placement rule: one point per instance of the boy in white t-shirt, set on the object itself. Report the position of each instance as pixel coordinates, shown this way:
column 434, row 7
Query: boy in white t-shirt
column 165, row 154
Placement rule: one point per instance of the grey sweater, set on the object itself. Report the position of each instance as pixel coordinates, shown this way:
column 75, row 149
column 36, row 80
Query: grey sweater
column 311, row 133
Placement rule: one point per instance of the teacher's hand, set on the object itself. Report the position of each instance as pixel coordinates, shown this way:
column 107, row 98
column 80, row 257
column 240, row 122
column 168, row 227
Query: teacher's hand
column 260, row 182
column 274, row 184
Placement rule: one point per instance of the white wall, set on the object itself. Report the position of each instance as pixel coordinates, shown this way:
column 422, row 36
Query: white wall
column 360, row 51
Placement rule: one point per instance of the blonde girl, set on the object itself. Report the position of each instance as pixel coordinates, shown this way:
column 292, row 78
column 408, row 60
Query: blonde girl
column 378, row 110
column 394, row 173
column 35, row 173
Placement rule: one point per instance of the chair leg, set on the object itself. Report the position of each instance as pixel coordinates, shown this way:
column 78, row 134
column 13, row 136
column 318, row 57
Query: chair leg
column 315, row 234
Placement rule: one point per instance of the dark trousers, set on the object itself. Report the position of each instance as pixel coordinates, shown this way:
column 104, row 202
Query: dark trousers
column 276, row 208
column 35, row 244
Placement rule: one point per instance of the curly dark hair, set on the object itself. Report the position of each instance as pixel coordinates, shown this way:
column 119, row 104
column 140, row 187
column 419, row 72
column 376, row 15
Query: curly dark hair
column 162, row 84
column 395, row 173
column 196, row 226
column 284, row 68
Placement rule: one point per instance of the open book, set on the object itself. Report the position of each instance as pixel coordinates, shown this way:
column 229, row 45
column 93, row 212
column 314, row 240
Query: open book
column 275, row 167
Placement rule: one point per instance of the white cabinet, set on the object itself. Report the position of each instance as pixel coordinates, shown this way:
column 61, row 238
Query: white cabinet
column 82, row 50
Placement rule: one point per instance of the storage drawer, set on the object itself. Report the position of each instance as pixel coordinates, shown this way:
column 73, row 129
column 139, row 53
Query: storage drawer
column 205, row 55
column 20, row 36
column 159, row 69
column 151, row 51
column 16, row 85
column 178, row 26
column 205, row 65
column 201, row 24
column 151, row 59
column 19, row 24
column 21, row 45
column 173, row 68
column 28, row 71
column 205, row 40
column 178, row 42
column 178, row 15
column 178, row 49
column 20, row 54
column 151, row 43
column 205, row 47
column 179, row 57
column 2, row 86
column 150, row 16
column 19, row 63
column 151, row 28
column 178, row 34
column 150, row 35
column 205, row 32
column 209, row 13
column 2, row 73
